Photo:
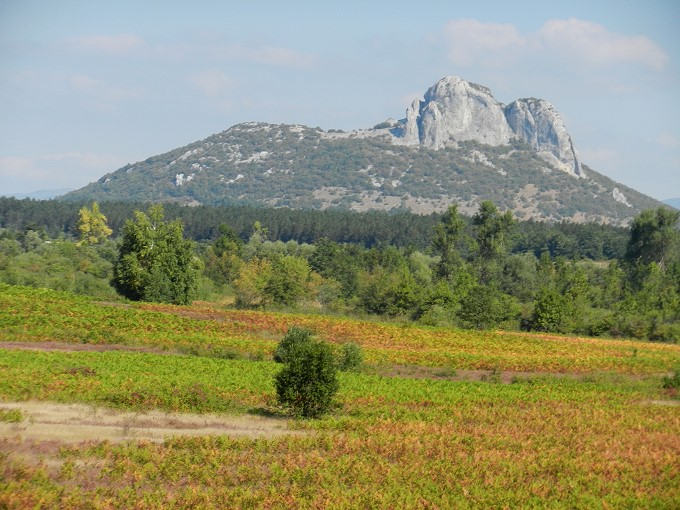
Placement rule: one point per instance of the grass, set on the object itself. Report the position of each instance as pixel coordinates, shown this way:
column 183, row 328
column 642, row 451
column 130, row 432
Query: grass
column 39, row 315
column 11, row 416
column 595, row 439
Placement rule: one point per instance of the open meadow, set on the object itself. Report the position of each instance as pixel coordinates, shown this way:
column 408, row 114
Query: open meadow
column 121, row 405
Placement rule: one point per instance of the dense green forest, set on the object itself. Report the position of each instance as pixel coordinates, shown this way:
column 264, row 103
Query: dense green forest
column 488, row 271
column 401, row 229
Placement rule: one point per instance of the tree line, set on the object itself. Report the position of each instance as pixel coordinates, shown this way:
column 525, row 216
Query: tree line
column 369, row 229
column 467, row 276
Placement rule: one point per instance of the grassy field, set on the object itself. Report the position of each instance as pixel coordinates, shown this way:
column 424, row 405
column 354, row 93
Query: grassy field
column 586, row 425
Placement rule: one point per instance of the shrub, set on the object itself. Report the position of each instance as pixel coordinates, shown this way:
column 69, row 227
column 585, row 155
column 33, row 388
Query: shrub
column 295, row 337
column 351, row 357
column 308, row 381
column 11, row 415
column 672, row 382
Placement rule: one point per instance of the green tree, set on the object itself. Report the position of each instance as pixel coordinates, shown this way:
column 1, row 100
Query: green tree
column 308, row 381
column 486, row 307
column 448, row 235
column 491, row 239
column 552, row 311
column 254, row 247
column 92, row 225
column 223, row 258
column 336, row 261
column 155, row 262
column 228, row 241
column 294, row 337
column 252, row 280
column 389, row 292
column 654, row 237
column 289, row 280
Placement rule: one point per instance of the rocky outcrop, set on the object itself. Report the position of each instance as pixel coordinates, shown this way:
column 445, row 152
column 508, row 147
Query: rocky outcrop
column 537, row 123
column 455, row 110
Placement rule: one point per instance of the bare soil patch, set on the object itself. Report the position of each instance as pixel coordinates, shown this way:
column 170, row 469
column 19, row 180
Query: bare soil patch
column 74, row 423
column 68, row 347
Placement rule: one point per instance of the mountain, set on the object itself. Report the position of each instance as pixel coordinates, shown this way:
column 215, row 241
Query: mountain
column 456, row 146
column 45, row 194
column 673, row 202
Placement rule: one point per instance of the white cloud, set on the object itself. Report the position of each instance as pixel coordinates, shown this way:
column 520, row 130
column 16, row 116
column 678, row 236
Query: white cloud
column 212, row 82
column 470, row 41
column 109, row 44
column 593, row 44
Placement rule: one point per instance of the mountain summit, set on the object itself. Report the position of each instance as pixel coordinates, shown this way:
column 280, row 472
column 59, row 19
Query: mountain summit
column 455, row 110
column 457, row 145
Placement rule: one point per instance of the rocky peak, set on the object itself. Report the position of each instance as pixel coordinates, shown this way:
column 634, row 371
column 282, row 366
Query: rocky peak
column 455, row 110
column 536, row 122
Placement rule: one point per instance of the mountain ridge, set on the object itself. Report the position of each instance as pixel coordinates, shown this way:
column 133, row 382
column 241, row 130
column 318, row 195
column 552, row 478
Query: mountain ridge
column 459, row 145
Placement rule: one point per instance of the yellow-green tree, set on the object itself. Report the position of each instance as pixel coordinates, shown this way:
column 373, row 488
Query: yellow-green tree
column 253, row 278
column 92, row 225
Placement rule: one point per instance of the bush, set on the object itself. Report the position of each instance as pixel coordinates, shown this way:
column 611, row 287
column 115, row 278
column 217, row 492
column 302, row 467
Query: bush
column 672, row 382
column 552, row 312
column 308, row 381
column 351, row 357
column 295, row 337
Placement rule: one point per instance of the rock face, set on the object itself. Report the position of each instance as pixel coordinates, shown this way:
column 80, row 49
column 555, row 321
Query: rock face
column 455, row 110
column 536, row 122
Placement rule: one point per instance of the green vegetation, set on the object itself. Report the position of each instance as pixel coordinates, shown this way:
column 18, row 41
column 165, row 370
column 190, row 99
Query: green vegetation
column 308, row 380
column 448, row 362
column 11, row 415
column 291, row 166
column 350, row 357
column 672, row 382
column 407, row 442
column 92, row 225
column 294, row 338
column 402, row 229
column 467, row 278
column 155, row 262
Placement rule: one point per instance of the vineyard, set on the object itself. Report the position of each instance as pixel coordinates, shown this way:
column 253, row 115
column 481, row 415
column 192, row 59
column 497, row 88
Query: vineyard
column 437, row 418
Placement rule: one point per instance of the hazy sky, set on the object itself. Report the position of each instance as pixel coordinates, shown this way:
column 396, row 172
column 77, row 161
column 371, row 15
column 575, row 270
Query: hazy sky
column 88, row 86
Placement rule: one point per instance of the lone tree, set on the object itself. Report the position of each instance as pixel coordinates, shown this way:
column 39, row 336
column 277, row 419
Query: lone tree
column 308, row 381
column 155, row 262
column 92, row 225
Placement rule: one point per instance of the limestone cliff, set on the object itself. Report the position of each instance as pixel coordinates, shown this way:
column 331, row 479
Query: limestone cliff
column 455, row 110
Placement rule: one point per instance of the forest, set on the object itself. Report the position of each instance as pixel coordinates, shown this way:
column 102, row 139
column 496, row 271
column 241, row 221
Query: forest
column 484, row 272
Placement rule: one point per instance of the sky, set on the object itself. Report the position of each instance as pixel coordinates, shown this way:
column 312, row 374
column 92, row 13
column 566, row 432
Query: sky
column 88, row 86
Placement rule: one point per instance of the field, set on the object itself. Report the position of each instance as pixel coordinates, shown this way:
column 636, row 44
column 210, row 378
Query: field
column 436, row 419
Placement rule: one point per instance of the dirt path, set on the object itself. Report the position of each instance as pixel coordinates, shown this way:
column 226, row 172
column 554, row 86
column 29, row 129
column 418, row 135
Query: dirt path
column 72, row 347
column 74, row 423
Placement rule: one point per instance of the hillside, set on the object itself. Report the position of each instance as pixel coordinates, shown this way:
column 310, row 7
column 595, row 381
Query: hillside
column 447, row 150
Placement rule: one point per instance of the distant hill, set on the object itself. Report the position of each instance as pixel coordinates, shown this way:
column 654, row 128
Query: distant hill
column 45, row 194
column 457, row 146
column 673, row 202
